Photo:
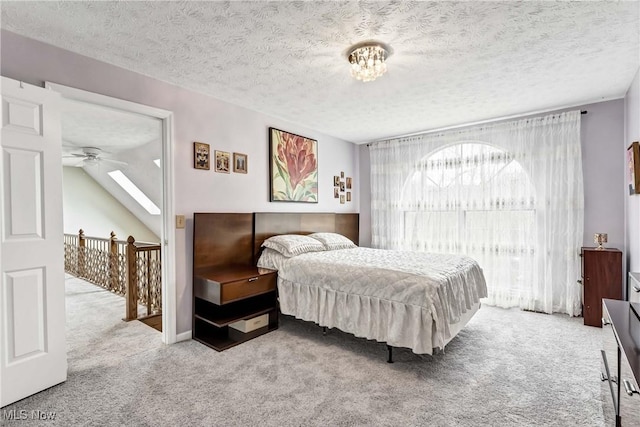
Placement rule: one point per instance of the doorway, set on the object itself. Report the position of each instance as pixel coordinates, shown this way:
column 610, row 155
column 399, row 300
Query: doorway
column 165, row 163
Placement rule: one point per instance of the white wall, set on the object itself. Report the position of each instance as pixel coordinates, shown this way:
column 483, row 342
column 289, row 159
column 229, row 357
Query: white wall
column 632, row 214
column 602, row 132
column 196, row 118
column 90, row 207
column 603, row 171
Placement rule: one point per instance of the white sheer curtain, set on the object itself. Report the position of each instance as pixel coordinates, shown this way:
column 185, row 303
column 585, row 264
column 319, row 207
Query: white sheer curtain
column 509, row 195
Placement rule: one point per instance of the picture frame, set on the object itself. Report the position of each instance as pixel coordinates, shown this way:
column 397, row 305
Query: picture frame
column 223, row 160
column 240, row 163
column 336, row 192
column 201, row 155
column 348, row 196
column 293, row 167
column 342, row 174
column 336, row 181
column 342, row 199
column 342, row 186
column 349, row 182
column 633, row 168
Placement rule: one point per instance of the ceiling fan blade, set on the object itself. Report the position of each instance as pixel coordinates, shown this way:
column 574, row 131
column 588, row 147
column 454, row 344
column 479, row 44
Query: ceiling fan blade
column 115, row 162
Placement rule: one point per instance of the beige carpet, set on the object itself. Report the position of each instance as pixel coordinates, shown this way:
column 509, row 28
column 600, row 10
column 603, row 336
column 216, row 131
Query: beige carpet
column 506, row 368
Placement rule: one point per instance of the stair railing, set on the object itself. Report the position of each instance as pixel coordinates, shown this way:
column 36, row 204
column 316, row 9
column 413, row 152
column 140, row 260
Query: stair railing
column 127, row 268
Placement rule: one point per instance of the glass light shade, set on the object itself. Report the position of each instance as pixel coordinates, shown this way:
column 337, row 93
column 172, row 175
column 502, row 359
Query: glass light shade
column 600, row 238
column 368, row 60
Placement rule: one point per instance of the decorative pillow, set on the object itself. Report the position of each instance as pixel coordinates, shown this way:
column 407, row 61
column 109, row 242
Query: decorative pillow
column 293, row 244
column 332, row 241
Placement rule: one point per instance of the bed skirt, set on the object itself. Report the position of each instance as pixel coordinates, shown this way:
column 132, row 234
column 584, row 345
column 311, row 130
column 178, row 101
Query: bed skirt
column 395, row 323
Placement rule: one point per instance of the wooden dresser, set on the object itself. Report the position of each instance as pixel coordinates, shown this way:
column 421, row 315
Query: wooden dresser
column 620, row 367
column 601, row 278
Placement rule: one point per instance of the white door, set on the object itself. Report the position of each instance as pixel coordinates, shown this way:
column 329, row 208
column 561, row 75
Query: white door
column 32, row 313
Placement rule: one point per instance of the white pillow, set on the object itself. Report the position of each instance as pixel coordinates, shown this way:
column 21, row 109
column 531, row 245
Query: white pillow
column 332, row 241
column 271, row 259
column 293, row 244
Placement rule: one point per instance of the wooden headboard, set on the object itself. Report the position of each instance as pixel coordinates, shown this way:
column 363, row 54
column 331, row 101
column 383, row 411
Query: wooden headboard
column 225, row 239
column 222, row 239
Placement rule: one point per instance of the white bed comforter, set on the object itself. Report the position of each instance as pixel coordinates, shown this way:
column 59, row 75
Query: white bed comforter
column 406, row 299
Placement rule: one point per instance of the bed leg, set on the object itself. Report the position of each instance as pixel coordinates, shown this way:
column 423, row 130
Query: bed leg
column 390, row 350
column 324, row 330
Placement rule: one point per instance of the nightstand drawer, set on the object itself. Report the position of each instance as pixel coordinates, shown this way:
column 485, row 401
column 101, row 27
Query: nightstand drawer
column 223, row 292
column 248, row 287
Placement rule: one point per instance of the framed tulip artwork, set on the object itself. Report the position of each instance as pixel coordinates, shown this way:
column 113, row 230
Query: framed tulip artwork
column 293, row 167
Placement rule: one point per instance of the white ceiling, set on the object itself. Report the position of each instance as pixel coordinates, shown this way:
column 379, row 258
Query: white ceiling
column 111, row 130
column 453, row 62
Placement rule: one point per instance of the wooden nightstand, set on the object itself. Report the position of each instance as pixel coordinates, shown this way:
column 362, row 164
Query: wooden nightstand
column 227, row 301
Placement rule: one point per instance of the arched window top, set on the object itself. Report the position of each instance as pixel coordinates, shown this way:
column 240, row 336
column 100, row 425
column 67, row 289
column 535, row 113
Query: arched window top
column 462, row 170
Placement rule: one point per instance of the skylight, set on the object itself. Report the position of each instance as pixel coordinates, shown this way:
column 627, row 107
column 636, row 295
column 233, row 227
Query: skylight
column 134, row 192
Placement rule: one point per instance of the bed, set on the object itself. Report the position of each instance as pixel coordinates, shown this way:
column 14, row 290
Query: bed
column 405, row 299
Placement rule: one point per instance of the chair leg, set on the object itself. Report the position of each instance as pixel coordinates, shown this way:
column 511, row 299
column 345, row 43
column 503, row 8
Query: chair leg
column 390, row 350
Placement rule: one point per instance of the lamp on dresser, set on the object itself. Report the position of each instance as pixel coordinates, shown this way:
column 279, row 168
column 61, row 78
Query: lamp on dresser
column 600, row 238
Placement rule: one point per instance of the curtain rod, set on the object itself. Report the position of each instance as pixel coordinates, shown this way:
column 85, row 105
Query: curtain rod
column 459, row 126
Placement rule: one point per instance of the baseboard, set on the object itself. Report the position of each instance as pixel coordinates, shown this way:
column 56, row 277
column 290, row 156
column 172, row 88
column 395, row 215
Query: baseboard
column 185, row 336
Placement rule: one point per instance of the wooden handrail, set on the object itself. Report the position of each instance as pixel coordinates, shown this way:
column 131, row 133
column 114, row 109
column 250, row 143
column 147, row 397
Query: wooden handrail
column 128, row 268
column 114, row 265
column 82, row 244
column 132, row 281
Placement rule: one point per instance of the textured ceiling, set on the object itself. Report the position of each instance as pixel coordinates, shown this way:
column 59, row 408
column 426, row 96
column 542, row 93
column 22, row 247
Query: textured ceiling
column 90, row 125
column 453, row 62
column 111, row 130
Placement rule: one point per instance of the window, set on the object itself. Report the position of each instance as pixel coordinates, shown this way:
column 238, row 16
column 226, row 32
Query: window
column 475, row 199
column 134, row 192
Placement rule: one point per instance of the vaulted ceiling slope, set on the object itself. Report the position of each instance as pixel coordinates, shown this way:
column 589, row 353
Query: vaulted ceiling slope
column 453, row 62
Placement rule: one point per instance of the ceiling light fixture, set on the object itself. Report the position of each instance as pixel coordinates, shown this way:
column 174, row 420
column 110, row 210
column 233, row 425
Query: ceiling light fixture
column 368, row 60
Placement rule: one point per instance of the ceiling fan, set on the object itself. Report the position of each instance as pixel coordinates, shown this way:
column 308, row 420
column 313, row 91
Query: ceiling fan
column 92, row 156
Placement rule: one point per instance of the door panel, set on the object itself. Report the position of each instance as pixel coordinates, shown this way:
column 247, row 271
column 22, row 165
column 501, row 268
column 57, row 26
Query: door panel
column 24, row 305
column 32, row 311
column 23, row 193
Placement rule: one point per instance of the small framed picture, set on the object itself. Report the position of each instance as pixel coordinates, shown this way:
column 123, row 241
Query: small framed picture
column 341, row 174
column 222, row 161
column 336, row 181
column 336, row 192
column 348, row 196
column 342, row 186
column 342, row 199
column 240, row 163
column 201, row 155
column 349, row 182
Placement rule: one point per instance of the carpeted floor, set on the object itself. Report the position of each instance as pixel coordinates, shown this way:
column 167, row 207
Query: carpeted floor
column 506, row 368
